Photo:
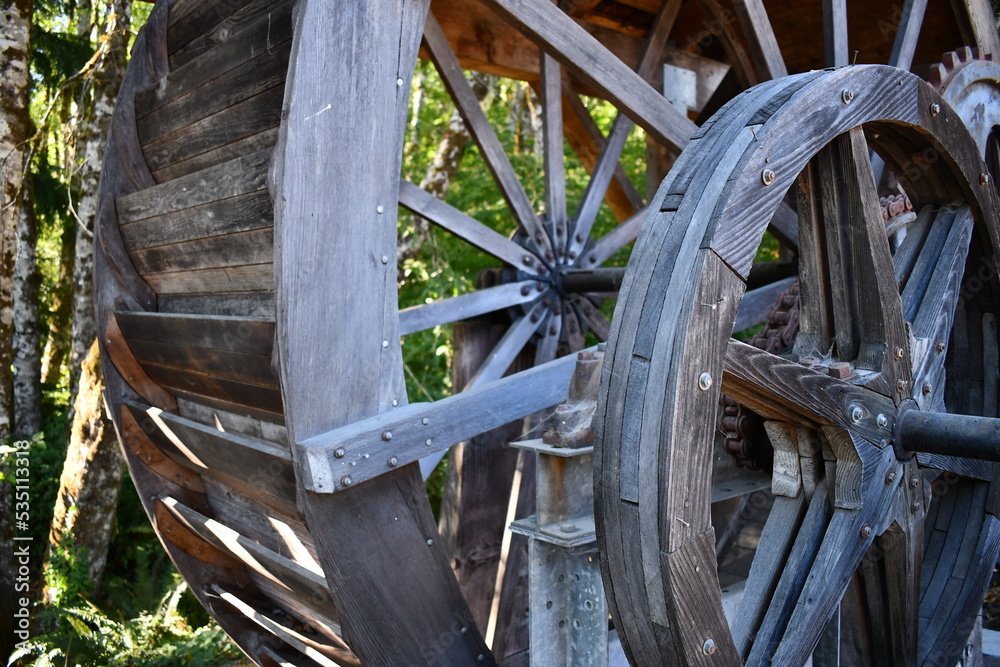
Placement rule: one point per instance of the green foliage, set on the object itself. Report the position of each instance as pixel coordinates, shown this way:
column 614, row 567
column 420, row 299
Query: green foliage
column 83, row 634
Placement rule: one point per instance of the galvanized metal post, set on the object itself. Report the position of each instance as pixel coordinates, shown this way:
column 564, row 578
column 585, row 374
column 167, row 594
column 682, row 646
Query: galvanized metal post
column 568, row 622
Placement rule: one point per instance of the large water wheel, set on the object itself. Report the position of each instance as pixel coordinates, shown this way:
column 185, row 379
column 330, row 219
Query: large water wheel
column 247, row 293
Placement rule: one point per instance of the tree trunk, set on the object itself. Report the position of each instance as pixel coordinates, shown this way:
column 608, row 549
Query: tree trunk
column 88, row 489
column 97, row 106
column 27, row 358
column 15, row 125
column 57, row 342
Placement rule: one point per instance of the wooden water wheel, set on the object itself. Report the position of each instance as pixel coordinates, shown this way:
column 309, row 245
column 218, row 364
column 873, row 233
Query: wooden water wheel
column 246, row 284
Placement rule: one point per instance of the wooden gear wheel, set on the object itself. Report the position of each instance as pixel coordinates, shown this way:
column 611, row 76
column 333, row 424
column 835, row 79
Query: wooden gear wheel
column 902, row 545
column 247, row 299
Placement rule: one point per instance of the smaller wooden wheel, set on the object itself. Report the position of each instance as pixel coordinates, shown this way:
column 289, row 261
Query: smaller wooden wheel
column 902, row 544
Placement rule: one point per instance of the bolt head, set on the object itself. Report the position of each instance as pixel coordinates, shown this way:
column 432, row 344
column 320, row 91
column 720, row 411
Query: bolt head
column 890, row 477
column 846, row 96
column 393, row 462
column 527, row 260
column 425, row 421
column 866, row 530
column 915, row 507
column 430, row 542
column 339, row 453
column 900, row 386
column 914, row 482
column 768, row 176
column 935, row 109
column 346, row 480
column 526, row 290
column 940, row 347
column 926, row 389
column 387, row 435
column 380, row 209
column 568, row 528
column 709, row 647
column 840, row 370
column 857, row 413
column 882, row 421
column 704, row 381
column 428, row 442
column 899, row 353
column 385, row 343
column 385, row 259
column 984, row 178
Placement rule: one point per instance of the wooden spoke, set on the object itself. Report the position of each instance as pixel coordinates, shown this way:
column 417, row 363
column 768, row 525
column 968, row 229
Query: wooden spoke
column 907, row 32
column 850, row 305
column 587, row 312
column 835, row 32
column 763, row 45
column 482, row 132
column 611, row 153
column 464, row 226
column 555, row 171
column 508, row 348
column 615, row 240
column 464, row 306
column 548, row 347
column 558, row 35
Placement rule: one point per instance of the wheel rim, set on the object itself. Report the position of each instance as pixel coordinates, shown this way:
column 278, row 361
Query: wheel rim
column 652, row 476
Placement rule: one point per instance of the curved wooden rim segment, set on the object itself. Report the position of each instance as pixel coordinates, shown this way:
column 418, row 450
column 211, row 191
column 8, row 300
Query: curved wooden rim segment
column 672, row 329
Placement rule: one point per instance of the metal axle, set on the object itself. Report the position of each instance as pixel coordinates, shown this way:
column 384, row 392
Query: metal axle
column 950, row 435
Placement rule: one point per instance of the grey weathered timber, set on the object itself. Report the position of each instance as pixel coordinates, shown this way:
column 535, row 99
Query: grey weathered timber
column 412, row 432
column 465, row 227
column 465, row 306
column 555, row 170
column 483, row 133
column 615, row 240
column 762, row 42
column 255, row 13
column 975, row 19
column 906, row 34
column 835, row 46
column 711, row 210
column 559, row 36
column 350, row 91
column 200, row 19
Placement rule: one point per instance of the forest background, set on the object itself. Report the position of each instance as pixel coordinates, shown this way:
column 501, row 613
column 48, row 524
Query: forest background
column 101, row 589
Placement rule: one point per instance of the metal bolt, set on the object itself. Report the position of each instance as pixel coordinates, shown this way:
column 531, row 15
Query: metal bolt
column 840, row 370
column 881, row 421
column 572, row 254
column 526, row 290
column 425, row 421
column 430, row 542
column 428, row 442
column 866, row 530
column 568, row 528
column 579, row 238
column 393, row 462
column 767, row 176
column 480, row 658
column 935, row 109
column 385, row 343
column 899, row 353
column 940, row 346
column 709, row 647
column 900, row 386
column 464, row 630
column 927, row 388
column 399, row 82
column 984, row 178
column 527, row 260
column 915, row 507
column 847, row 96
column 345, row 480
column 387, row 435
column 395, row 402
column 339, row 452
column 857, row 413
column 914, row 482
column 890, row 477
column 540, row 287
column 536, row 316
column 385, row 259
column 704, row 381
column 380, row 209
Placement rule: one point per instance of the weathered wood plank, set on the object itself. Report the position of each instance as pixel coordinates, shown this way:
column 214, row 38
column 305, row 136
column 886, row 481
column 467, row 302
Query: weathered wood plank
column 240, row 176
column 557, row 34
column 231, row 250
column 252, row 397
column 226, row 365
column 907, row 32
column 251, row 463
column 976, row 16
column 200, row 19
column 121, row 355
column 554, row 167
column 465, row 306
column 760, row 38
column 256, row 14
column 835, row 33
column 218, row 333
column 254, row 305
column 226, row 216
column 247, row 118
column 256, row 142
column 252, row 278
column 448, row 421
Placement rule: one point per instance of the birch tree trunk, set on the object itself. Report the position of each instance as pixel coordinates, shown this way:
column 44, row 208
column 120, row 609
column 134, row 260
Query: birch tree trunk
column 27, row 357
column 88, row 489
column 57, row 342
column 92, row 473
column 15, row 125
column 97, row 105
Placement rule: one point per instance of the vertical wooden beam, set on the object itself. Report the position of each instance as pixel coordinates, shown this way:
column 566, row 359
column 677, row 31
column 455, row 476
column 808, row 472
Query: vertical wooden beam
column 760, row 38
column 334, row 181
column 977, row 24
column 907, row 33
column 835, row 33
